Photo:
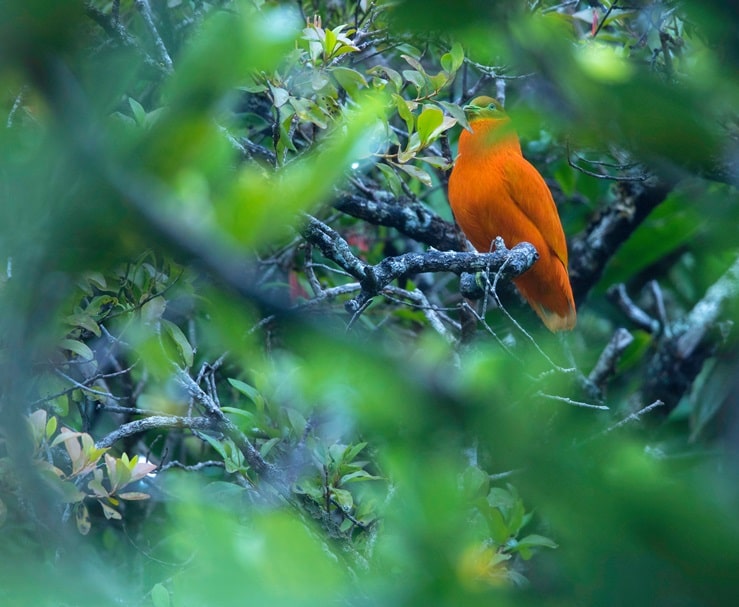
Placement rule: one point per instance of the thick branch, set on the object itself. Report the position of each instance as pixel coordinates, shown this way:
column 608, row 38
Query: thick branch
column 152, row 423
column 411, row 218
column 509, row 262
column 682, row 350
column 591, row 251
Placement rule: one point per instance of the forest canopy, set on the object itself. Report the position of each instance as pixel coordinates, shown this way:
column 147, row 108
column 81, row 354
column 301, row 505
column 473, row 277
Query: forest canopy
column 247, row 355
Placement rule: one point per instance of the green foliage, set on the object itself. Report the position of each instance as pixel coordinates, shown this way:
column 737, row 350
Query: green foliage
column 190, row 416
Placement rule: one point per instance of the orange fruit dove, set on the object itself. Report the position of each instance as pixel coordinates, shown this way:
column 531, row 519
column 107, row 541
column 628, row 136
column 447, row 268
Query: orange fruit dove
column 494, row 191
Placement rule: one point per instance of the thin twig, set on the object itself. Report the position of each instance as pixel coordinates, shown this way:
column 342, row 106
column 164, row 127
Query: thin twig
column 82, row 386
column 633, row 417
column 569, row 401
column 608, row 359
column 618, row 295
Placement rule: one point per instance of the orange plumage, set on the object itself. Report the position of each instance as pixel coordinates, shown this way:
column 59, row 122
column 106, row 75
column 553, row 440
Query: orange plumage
column 495, row 191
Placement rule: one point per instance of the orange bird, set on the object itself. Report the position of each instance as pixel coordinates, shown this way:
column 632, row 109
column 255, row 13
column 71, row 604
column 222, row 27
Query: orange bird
column 495, row 191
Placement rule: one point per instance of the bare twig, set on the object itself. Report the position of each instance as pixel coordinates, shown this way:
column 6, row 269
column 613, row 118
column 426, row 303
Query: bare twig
column 84, row 387
column 420, row 301
column 634, row 416
column 659, row 305
column 569, row 401
column 618, row 295
column 606, row 365
column 16, row 104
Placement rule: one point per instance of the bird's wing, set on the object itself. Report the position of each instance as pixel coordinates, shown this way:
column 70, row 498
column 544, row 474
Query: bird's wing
column 531, row 194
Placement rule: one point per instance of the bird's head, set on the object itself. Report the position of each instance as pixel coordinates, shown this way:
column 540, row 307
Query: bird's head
column 484, row 107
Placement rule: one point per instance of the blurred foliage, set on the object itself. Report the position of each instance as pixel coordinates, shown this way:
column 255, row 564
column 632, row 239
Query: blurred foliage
column 190, row 416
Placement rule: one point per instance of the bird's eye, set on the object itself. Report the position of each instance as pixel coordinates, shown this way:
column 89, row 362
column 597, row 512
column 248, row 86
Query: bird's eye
column 492, row 106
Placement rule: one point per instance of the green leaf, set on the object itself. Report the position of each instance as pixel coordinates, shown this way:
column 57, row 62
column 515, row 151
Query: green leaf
column 475, row 482
column 267, row 446
column 78, row 348
column 343, row 499
column 160, row 596
column 249, row 391
column 409, row 153
column 457, row 53
column 66, row 491
column 100, row 304
column 297, row 421
column 329, row 42
column 110, row 512
column 248, row 415
column 348, row 79
column 415, row 64
column 415, row 78
column 439, row 81
column 183, row 346
column 139, row 113
column 280, row 96
column 319, row 81
column 499, row 531
column 672, row 224
column 216, row 444
column 438, row 162
column 455, row 112
column 428, row 122
column 353, row 451
column 527, row 546
column 51, row 426
column 261, row 207
column 393, row 76
column 417, row 173
column 152, row 310
column 234, row 460
column 84, row 321
column 405, row 111
column 134, row 496
column 446, row 62
column 392, row 178
column 358, row 475
column 308, row 111
column 96, row 278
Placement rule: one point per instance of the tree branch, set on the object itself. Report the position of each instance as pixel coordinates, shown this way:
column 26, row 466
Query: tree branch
column 214, row 413
column 411, row 218
column 681, row 351
column 143, row 7
column 117, row 32
column 155, row 422
column 620, row 296
column 608, row 359
column 591, row 251
column 372, row 279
